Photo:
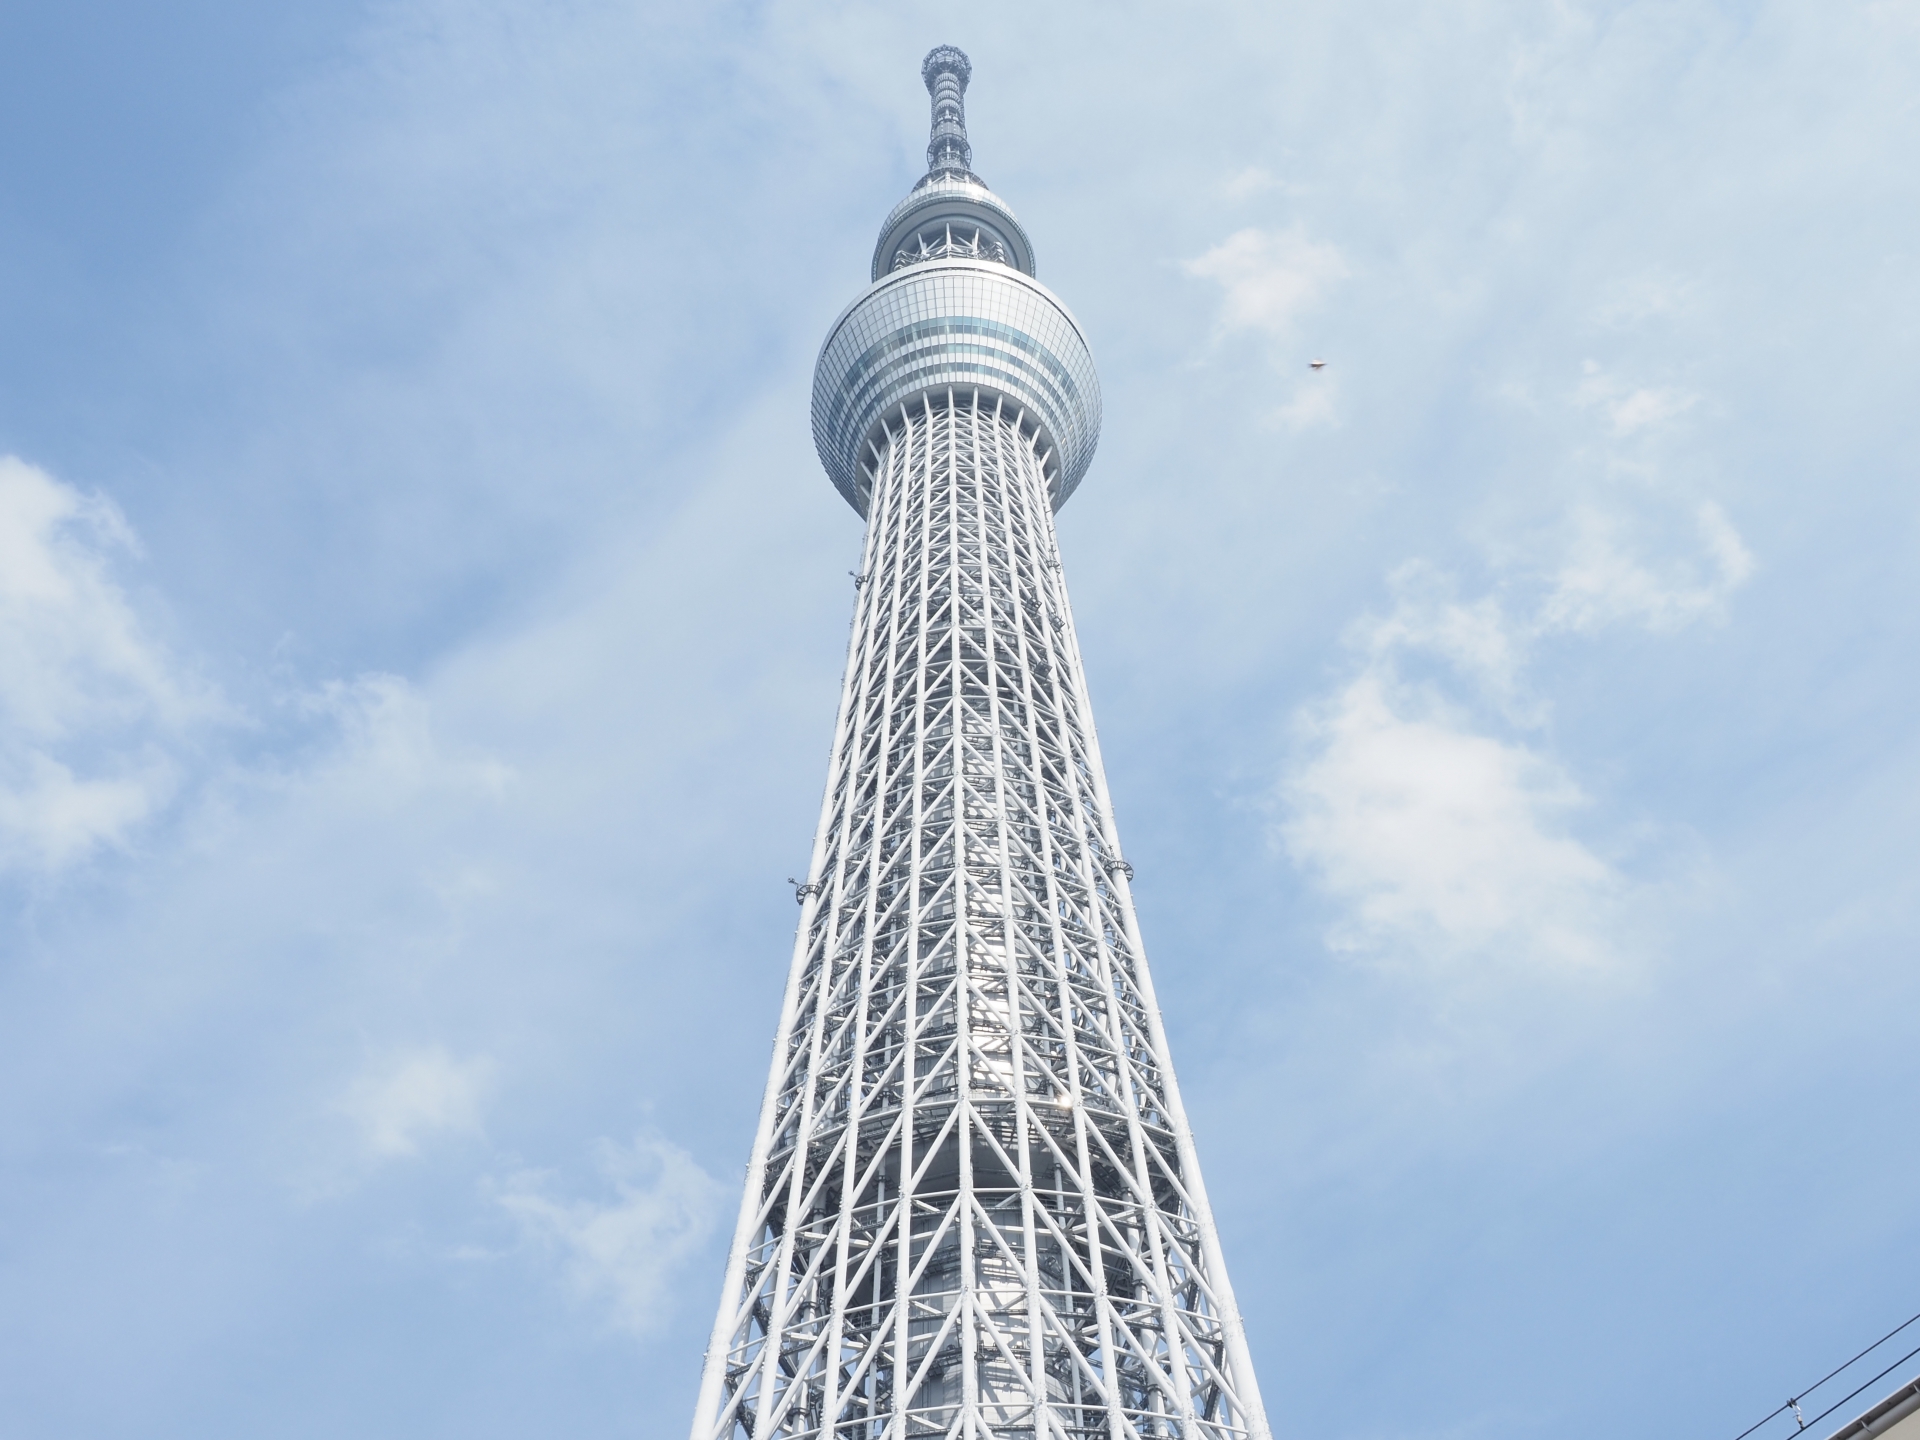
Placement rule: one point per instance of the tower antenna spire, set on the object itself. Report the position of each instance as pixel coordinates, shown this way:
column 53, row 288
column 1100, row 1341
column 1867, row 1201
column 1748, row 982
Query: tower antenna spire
column 946, row 71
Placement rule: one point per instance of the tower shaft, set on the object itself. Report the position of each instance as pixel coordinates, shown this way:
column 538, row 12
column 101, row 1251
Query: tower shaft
column 973, row 1207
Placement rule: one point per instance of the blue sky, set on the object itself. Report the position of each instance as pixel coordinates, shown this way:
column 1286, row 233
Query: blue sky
column 421, row 614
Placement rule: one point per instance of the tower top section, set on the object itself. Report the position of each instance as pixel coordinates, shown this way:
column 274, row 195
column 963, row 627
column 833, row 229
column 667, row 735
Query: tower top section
column 954, row 309
column 950, row 212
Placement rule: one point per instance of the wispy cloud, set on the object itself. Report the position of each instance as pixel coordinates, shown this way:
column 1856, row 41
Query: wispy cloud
column 89, row 698
column 402, row 1102
column 620, row 1252
column 1631, row 409
column 1270, row 278
column 97, row 713
column 384, row 747
column 1478, row 637
column 1603, row 581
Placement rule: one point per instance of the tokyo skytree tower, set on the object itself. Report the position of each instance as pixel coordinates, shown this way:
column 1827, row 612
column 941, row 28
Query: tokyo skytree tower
column 973, row 1207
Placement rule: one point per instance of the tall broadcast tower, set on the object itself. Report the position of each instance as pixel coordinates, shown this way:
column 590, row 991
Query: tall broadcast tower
column 973, row 1207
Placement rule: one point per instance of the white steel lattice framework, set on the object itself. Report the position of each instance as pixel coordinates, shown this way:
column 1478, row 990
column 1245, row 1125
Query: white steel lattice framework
column 973, row 1207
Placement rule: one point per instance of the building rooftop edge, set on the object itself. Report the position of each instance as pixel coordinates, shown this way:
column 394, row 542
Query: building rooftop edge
column 1883, row 1417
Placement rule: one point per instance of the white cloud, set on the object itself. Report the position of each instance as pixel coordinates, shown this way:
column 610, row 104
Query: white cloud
column 71, row 647
column 622, row 1252
column 50, row 817
column 402, row 1102
column 1443, row 841
column 88, row 697
column 1270, row 277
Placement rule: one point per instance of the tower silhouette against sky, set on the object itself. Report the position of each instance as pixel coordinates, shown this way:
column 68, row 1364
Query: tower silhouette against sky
column 973, row 1207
